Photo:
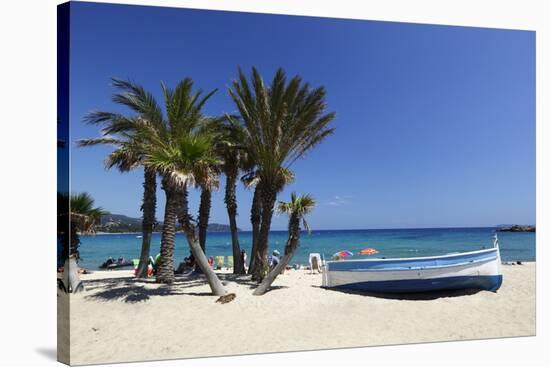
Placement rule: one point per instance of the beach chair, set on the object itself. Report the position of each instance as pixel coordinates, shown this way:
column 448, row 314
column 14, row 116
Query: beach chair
column 219, row 262
column 315, row 262
column 230, row 262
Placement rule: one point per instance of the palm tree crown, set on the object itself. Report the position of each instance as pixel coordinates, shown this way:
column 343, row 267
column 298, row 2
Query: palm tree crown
column 282, row 121
column 84, row 213
column 187, row 158
column 298, row 207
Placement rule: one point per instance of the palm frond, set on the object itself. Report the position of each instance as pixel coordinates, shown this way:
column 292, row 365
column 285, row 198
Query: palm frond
column 282, row 121
column 83, row 211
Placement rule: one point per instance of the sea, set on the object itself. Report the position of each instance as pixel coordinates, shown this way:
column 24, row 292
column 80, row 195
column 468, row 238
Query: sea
column 94, row 250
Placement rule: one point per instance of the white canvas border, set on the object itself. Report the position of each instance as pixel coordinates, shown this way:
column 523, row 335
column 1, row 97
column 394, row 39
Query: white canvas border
column 28, row 305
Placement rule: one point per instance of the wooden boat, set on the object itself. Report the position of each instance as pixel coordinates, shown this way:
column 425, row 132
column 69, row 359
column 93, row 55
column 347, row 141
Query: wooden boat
column 469, row 270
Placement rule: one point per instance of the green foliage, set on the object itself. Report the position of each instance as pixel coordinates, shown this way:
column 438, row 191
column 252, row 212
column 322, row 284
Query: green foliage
column 187, row 158
column 298, row 207
column 83, row 211
column 282, row 121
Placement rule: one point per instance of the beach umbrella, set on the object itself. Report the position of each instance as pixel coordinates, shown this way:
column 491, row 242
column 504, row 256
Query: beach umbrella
column 368, row 251
column 343, row 254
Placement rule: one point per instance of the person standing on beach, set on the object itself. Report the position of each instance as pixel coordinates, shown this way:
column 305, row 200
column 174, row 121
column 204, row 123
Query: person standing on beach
column 243, row 259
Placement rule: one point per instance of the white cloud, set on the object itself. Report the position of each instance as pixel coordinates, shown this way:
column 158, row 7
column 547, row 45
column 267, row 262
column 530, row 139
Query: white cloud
column 339, row 200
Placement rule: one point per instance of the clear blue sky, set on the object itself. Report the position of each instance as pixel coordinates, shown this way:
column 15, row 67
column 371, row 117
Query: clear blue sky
column 435, row 125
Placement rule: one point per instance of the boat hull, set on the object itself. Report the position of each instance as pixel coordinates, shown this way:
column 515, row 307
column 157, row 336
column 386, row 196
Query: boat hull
column 473, row 270
column 484, row 282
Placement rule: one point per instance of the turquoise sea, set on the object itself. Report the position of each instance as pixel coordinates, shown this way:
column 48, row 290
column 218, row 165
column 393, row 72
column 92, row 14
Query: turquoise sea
column 390, row 242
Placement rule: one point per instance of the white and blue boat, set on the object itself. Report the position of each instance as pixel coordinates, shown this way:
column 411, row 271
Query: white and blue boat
column 468, row 270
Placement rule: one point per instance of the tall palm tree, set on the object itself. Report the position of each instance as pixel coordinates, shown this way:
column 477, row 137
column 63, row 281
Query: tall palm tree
column 184, row 156
column 78, row 215
column 204, row 214
column 283, row 121
column 252, row 179
column 122, row 132
column 296, row 208
column 230, row 149
column 255, row 220
column 204, row 209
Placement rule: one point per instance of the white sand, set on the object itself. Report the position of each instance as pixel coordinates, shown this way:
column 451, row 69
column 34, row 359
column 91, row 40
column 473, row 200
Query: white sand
column 119, row 319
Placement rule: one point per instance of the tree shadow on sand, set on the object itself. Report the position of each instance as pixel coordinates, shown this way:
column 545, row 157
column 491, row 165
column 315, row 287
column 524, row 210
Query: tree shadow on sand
column 245, row 280
column 241, row 279
column 136, row 290
column 133, row 290
column 421, row 296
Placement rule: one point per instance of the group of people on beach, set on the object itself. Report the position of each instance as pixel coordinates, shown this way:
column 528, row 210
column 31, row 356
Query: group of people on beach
column 190, row 262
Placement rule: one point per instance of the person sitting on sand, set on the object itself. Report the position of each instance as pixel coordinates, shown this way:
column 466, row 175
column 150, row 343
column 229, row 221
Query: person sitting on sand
column 190, row 260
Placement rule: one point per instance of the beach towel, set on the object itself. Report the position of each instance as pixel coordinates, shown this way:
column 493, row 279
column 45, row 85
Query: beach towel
column 230, row 261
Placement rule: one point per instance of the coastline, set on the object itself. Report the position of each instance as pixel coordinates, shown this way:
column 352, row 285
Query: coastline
column 320, row 318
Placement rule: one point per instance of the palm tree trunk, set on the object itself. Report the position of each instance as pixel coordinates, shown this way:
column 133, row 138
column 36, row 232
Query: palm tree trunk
column 268, row 197
column 200, row 258
column 231, row 204
column 204, row 216
column 70, row 240
column 165, row 272
column 290, row 248
column 71, row 278
column 149, row 208
column 255, row 219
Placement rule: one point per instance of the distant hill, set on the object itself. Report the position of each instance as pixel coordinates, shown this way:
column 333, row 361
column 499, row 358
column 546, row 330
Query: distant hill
column 118, row 223
column 113, row 219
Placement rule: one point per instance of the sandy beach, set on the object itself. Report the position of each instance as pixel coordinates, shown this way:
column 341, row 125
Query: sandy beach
column 119, row 319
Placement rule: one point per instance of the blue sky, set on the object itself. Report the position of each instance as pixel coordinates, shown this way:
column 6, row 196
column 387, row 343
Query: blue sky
column 435, row 125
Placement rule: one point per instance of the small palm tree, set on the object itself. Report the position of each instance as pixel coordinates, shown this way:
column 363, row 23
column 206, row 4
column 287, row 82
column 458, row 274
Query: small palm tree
column 77, row 215
column 297, row 209
column 184, row 161
column 85, row 214
column 283, row 121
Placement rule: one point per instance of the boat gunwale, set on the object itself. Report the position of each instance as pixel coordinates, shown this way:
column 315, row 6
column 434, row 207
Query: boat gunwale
column 418, row 258
column 416, row 268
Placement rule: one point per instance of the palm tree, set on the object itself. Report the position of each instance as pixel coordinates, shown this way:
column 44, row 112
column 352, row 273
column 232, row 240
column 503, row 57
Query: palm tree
column 204, row 208
column 182, row 151
column 129, row 151
column 283, row 121
column 230, row 149
column 204, row 214
column 252, row 179
column 78, row 215
column 185, row 160
column 296, row 209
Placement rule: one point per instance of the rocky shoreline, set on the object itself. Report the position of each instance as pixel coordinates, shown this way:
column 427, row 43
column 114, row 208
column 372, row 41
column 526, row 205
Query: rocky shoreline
column 517, row 228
